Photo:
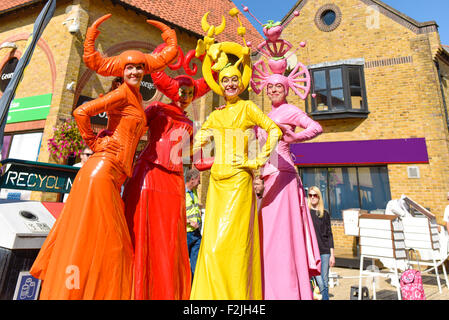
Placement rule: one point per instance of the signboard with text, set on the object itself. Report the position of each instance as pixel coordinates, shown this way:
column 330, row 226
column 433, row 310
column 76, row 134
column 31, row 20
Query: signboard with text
column 147, row 88
column 7, row 73
column 27, row 287
column 29, row 108
column 37, row 176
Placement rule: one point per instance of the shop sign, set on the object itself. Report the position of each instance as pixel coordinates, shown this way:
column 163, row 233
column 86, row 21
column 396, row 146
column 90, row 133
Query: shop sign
column 361, row 152
column 37, row 176
column 27, row 287
column 29, row 108
column 7, row 73
column 147, row 88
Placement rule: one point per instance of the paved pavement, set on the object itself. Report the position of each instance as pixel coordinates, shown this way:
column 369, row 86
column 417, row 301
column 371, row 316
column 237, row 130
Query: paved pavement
column 384, row 289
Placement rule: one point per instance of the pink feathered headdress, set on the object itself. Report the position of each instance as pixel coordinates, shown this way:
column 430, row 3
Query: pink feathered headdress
column 275, row 50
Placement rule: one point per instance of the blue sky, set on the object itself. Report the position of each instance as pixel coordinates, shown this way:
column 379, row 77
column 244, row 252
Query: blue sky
column 421, row 11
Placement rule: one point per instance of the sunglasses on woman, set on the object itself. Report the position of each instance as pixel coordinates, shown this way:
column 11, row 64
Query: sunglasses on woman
column 313, row 195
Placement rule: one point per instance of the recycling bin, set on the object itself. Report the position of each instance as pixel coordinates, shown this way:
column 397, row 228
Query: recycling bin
column 24, row 227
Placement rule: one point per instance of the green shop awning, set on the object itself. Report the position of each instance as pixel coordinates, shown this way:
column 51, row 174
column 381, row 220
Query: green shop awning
column 29, row 108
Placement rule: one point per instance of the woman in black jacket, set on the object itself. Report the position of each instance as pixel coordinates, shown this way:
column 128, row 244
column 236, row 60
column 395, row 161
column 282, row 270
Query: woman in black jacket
column 322, row 225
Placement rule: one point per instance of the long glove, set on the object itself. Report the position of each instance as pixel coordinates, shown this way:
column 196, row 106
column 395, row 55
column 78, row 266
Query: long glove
column 274, row 135
column 300, row 119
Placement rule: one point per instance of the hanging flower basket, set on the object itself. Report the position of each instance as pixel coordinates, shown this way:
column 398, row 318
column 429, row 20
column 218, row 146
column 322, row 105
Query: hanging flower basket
column 67, row 141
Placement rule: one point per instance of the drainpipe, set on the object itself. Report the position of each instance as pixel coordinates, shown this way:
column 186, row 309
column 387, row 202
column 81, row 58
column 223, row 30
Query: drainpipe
column 442, row 92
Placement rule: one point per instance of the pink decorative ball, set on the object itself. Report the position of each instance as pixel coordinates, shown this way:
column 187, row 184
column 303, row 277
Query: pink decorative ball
column 245, row 9
column 249, row 44
column 296, row 13
column 313, row 95
column 302, row 44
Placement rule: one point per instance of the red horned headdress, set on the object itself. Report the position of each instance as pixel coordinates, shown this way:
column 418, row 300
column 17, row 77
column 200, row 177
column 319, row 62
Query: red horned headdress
column 170, row 86
column 114, row 66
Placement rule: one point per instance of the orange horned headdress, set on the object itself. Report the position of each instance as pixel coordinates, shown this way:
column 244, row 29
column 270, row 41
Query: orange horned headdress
column 114, row 66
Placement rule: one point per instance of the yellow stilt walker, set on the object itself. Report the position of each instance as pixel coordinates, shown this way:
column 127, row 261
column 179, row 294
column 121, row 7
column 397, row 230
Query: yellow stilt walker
column 229, row 265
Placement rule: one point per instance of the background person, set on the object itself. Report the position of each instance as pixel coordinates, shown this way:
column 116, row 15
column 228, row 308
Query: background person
column 258, row 189
column 116, row 83
column 193, row 215
column 322, row 224
column 84, row 156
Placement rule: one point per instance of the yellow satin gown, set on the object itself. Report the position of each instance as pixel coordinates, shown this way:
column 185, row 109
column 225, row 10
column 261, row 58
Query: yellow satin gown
column 228, row 265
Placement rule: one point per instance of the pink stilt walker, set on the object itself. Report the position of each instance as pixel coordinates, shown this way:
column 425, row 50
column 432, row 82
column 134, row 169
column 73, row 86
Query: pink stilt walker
column 290, row 254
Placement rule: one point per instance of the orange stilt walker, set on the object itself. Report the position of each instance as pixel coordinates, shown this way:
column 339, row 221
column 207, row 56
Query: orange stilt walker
column 88, row 254
column 155, row 205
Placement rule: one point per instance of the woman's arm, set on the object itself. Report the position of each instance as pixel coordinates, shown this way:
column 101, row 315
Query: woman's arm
column 300, row 119
column 151, row 111
column 201, row 138
column 274, row 134
column 89, row 109
column 331, row 239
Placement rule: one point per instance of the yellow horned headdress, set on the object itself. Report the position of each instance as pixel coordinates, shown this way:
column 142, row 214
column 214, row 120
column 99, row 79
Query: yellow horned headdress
column 216, row 54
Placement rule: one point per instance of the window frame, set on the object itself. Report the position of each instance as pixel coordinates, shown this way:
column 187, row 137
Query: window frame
column 348, row 111
column 328, row 191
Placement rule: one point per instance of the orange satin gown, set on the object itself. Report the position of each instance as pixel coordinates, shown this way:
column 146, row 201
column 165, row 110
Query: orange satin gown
column 88, row 253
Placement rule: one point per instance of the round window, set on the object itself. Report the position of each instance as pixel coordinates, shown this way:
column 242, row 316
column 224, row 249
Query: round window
column 328, row 17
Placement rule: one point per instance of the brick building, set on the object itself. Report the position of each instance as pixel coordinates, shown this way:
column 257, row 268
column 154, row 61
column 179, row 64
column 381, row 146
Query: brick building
column 56, row 79
column 380, row 80
column 381, row 85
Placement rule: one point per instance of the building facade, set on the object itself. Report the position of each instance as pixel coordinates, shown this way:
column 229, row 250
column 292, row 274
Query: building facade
column 380, row 93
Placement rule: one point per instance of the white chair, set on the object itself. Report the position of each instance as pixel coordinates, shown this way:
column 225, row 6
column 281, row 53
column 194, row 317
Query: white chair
column 381, row 237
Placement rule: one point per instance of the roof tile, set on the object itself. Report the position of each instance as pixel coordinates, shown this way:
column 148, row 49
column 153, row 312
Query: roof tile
column 186, row 14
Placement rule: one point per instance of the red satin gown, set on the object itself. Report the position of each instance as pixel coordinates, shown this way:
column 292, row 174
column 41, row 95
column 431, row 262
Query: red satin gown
column 155, row 207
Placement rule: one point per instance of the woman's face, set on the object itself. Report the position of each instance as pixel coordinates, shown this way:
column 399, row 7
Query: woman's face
column 186, row 96
column 276, row 93
column 133, row 74
column 230, row 86
column 314, row 198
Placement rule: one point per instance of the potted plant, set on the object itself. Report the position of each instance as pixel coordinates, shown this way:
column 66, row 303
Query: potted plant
column 66, row 143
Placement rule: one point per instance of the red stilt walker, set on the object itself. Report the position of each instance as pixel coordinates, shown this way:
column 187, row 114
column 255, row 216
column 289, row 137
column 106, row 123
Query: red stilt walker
column 155, row 195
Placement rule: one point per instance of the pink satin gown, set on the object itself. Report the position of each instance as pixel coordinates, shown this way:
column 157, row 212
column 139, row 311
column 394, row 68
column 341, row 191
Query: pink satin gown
column 290, row 249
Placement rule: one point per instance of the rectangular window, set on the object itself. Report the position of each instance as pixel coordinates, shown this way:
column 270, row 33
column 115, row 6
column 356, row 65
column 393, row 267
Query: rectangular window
column 24, row 146
column 316, row 177
column 340, row 92
column 349, row 187
column 343, row 190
